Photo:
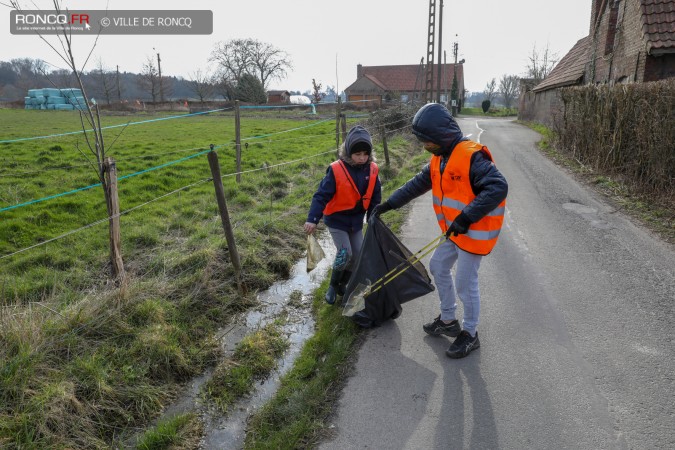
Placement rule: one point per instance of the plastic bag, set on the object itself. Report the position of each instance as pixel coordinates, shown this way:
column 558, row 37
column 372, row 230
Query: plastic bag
column 314, row 252
column 381, row 252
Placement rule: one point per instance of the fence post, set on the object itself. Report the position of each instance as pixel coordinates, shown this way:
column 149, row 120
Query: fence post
column 343, row 126
column 116, row 261
column 237, row 137
column 337, row 127
column 384, row 145
column 225, row 217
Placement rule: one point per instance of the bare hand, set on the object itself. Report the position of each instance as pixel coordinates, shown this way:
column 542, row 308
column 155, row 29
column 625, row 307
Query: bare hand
column 309, row 227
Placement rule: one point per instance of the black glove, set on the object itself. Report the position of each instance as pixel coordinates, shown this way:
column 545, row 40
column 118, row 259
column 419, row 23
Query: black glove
column 381, row 209
column 459, row 226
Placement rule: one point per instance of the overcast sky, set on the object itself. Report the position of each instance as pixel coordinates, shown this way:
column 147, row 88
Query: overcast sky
column 327, row 39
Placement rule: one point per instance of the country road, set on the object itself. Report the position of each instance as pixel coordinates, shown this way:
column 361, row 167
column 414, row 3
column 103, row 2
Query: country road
column 577, row 330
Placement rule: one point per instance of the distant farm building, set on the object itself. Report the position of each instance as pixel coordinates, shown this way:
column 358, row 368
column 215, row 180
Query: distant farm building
column 376, row 85
column 278, row 97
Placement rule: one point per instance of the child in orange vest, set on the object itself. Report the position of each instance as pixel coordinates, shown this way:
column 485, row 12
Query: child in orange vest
column 349, row 191
column 469, row 196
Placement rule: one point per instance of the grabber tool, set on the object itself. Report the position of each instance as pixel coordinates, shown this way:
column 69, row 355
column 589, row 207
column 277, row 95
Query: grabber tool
column 356, row 300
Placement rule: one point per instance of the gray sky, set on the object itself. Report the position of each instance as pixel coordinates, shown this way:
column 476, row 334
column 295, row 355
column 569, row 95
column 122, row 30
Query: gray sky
column 327, row 39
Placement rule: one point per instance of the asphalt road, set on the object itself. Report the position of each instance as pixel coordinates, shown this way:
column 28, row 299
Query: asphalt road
column 577, row 330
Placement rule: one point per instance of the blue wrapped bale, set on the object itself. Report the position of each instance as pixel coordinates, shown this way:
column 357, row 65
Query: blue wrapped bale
column 55, row 100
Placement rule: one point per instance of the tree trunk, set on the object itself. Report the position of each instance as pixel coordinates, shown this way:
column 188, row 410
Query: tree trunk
column 112, row 201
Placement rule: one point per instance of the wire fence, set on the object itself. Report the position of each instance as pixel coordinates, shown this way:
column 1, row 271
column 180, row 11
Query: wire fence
column 266, row 137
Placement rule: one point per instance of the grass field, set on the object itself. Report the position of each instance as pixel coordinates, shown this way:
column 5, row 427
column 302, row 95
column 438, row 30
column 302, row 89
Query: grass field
column 38, row 169
column 85, row 362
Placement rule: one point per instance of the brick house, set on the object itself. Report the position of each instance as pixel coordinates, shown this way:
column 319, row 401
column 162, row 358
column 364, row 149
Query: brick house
column 376, row 85
column 628, row 41
column 278, row 97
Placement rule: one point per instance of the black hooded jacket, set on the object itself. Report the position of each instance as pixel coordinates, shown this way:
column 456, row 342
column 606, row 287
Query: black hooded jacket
column 434, row 123
column 358, row 139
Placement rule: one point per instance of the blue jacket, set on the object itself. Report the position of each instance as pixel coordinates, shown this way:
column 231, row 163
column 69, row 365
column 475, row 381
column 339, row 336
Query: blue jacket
column 434, row 123
column 351, row 220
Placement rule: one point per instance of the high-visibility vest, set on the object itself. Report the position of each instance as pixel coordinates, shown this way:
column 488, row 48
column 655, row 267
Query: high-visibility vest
column 347, row 195
column 452, row 193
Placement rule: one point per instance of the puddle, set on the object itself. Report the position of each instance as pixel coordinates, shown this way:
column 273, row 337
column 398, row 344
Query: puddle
column 228, row 431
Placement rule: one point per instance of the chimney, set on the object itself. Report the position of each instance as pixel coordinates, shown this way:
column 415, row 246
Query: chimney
column 359, row 71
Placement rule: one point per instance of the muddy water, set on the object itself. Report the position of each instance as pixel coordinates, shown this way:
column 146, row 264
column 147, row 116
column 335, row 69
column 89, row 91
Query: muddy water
column 228, row 431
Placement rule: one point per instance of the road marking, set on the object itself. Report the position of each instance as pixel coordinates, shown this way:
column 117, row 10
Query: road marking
column 481, row 132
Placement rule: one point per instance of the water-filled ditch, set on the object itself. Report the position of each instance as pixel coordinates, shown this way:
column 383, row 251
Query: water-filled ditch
column 228, row 431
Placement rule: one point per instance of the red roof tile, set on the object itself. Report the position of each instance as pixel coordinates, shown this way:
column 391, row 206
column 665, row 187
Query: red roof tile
column 408, row 77
column 570, row 69
column 658, row 25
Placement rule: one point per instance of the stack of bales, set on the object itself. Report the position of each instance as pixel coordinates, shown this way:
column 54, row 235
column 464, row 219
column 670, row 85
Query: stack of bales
column 52, row 98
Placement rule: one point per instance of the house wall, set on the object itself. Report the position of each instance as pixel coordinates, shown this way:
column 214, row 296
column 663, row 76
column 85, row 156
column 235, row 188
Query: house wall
column 629, row 48
column 365, row 100
column 541, row 107
column 618, row 51
column 659, row 67
column 278, row 99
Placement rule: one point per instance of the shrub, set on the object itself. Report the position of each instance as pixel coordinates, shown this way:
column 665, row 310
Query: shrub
column 485, row 105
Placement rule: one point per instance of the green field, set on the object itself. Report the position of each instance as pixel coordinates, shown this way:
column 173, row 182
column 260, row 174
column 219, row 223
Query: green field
column 86, row 361
column 37, row 169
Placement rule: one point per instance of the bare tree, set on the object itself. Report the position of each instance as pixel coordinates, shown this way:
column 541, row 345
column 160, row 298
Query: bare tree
column 269, row 62
column 541, row 62
column 201, row 84
column 104, row 81
column 490, row 90
column 62, row 78
column 509, row 87
column 149, row 78
column 317, row 95
column 237, row 57
column 90, row 120
column 30, row 72
column 233, row 59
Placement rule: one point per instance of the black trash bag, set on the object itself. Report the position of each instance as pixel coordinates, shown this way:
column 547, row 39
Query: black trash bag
column 381, row 252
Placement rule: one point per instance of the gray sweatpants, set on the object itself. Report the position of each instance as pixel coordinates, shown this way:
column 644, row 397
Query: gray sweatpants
column 348, row 247
column 465, row 283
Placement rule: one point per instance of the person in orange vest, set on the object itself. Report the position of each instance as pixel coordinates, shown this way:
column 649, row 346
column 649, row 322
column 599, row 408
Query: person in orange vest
column 349, row 191
column 469, row 200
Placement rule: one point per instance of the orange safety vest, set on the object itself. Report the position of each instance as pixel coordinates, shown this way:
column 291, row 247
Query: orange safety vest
column 347, row 195
column 452, row 193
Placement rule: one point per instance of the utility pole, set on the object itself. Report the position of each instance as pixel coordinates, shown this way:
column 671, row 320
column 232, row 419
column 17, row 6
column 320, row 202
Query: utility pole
column 455, row 94
column 117, row 78
column 161, row 84
column 429, row 84
column 440, row 46
column 445, row 74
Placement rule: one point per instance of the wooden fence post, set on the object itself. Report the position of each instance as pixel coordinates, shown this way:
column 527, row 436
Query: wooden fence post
column 110, row 170
column 225, row 217
column 343, row 126
column 237, row 137
column 384, row 145
column 337, row 127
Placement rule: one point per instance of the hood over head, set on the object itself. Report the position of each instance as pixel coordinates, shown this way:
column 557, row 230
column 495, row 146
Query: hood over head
column 434, row 123
column 358, row 139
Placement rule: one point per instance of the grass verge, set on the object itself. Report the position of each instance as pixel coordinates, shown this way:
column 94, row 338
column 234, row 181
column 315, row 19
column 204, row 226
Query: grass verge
column 656, row 212
column 254, row 358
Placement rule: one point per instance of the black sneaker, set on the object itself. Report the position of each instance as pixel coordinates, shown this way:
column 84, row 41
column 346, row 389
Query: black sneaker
column 438, row 327
column 463, row 345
